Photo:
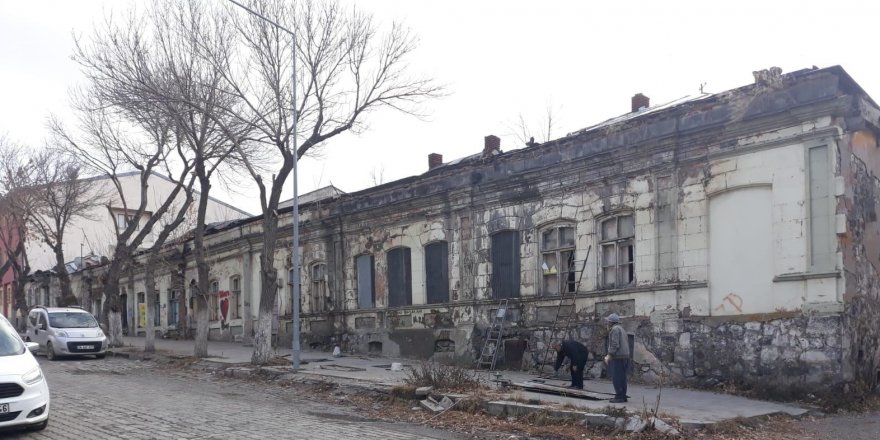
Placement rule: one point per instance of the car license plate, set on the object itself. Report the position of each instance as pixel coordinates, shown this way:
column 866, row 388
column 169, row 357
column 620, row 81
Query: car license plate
column 4, row 408
column 85, row 347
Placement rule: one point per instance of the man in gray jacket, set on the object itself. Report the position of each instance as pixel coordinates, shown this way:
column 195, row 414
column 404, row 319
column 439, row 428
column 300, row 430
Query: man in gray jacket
column 617, row 358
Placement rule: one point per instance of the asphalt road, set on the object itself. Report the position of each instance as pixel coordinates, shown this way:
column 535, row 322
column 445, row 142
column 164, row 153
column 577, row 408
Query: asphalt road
column 122, row 399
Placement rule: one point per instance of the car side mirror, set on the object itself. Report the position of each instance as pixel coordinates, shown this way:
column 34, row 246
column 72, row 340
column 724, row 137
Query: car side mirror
column 43, row 326
column 32, row 346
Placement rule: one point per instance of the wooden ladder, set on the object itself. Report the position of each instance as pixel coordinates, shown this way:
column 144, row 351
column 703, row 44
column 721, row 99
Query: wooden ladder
column 494, row 336
column 566, row 317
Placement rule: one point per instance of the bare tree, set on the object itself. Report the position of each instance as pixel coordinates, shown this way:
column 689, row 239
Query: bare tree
column 377, row 175
column 544, row 128
column 149, row 68
column 169, row 226
column 61, row 194
column 346, row 68
column 114, row 143
column 16, row 207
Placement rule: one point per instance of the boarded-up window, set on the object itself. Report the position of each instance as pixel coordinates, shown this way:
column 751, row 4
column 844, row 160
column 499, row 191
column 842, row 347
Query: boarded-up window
column 617, row 251
column 399, row 277
column 366, row 294
column 437, row 272
column 821, row 218
column 505, row 264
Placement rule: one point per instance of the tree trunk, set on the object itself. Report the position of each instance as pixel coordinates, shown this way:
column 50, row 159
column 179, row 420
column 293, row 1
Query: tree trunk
column 201, row 345
column 111, row 314
column 67, row 296
column 20, row 301
column 268, row 292
column 150, row 281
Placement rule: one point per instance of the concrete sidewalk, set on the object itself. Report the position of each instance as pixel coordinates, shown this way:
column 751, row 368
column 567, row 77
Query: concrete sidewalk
column 692, row 407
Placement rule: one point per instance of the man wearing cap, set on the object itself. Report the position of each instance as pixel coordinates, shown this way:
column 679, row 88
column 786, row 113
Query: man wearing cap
column 577, row 353
column 617, row 358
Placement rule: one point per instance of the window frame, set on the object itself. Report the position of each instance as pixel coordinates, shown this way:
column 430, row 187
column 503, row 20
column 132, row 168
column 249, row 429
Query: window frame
column 564, row 285
column 617, row 242
column 213, row 300
column 235, row 297
column 318, row 288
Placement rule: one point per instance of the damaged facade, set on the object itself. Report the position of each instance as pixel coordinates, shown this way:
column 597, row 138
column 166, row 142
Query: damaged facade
column 736, row 233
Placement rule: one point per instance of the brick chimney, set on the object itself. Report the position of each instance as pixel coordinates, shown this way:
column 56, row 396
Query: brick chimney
column 491, row 145
column 434, row 160
column 640, row 101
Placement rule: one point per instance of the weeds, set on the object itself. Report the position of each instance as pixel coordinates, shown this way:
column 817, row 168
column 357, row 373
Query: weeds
column 442, row 377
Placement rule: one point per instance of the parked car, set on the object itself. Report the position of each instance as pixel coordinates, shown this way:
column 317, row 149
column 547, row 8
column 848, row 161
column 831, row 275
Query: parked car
column 24, row 394
column 65, row 331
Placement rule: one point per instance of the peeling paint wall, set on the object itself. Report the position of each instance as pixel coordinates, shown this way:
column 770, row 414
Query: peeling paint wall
column 665, row 171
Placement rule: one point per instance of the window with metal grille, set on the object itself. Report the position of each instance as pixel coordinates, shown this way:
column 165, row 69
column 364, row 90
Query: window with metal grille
column 617, row 237
column 399, row 277
column 505, row 264
column 437, row 272
column 213, row 302
column 557, row 260
column 365, row 275
column 318, row 293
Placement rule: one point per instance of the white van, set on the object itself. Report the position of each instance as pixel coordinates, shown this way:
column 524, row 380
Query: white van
column 65, row 331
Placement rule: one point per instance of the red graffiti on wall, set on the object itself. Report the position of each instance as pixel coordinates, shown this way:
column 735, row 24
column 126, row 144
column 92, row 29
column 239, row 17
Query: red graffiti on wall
column 223, row 296
column 734, row 300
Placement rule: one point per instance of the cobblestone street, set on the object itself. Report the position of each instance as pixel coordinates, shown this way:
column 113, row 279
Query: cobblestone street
column 113, row 398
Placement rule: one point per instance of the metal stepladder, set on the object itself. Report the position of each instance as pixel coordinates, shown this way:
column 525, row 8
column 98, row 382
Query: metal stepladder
column 494, row 336
column 566, row 316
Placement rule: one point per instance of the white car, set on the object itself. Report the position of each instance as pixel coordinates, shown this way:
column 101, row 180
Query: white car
column 65, row 331
column 24, row 394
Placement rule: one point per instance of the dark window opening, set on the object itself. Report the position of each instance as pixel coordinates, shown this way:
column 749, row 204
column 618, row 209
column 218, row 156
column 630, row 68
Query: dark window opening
column 437, row 272
column 399, row 277
column 505, row 264
column 374, row 347
column 365, row 276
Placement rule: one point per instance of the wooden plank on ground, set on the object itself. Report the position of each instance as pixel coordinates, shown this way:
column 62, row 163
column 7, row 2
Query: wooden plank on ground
column 561, row 391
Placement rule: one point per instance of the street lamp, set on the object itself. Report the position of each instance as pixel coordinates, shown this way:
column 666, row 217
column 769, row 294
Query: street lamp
column 294, row 253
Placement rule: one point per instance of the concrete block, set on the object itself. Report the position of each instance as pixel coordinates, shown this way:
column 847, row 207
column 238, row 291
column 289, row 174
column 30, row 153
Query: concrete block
column 423, row 391
column 599, row 420
column 635, row 424
column 664, row 427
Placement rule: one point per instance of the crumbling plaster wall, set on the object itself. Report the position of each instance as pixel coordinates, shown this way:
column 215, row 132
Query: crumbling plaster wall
column 859, row 237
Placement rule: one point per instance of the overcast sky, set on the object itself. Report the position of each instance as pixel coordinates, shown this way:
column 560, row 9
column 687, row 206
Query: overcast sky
column 499, row 59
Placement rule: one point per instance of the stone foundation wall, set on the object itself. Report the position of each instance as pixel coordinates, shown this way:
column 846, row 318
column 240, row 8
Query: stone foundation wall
column 784, row 353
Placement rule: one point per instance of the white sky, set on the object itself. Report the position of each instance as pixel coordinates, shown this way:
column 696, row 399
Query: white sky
column 499, row 59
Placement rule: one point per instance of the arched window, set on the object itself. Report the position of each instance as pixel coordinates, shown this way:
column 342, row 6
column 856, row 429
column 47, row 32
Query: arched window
column 437, row 272
column 557, row 260
column 617, row 251
column 505, row 264
column 399, row 277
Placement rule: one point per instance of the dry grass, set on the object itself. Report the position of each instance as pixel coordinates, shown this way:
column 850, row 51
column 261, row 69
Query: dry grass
column 443, row 377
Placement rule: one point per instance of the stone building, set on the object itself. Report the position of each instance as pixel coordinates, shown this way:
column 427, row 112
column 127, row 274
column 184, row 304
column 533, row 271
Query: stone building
column 736, row 233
